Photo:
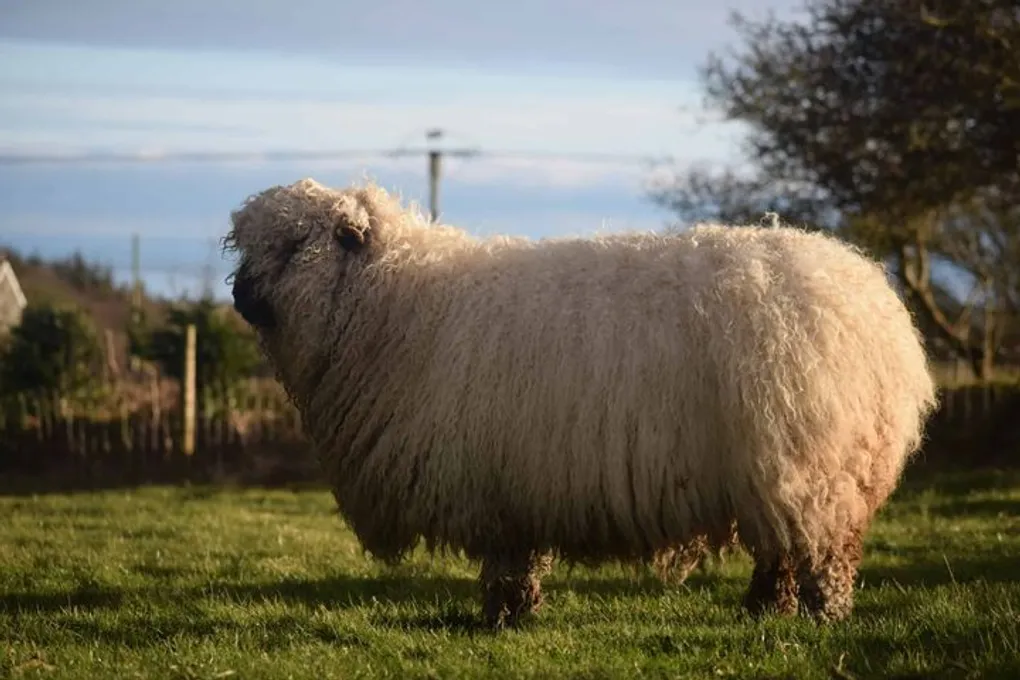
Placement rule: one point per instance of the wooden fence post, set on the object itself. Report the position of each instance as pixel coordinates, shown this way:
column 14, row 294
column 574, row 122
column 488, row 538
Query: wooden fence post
column 188, row 435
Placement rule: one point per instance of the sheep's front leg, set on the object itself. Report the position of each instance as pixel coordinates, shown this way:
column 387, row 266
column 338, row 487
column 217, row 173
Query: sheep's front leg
column 511, row 587
column 827, row 586
column 773, row 587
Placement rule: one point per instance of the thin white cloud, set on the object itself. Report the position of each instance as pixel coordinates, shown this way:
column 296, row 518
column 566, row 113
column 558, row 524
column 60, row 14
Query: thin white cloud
column 653, row 125
column 66, row 100
column 155, row 126
column 564, row 224
column 640, row 37
column 541, row 172
column 168, row 228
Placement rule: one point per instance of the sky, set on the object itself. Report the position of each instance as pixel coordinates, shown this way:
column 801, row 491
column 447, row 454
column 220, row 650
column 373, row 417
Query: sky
column 512, row 80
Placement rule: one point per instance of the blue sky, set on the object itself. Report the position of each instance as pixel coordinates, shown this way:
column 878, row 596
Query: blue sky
column 138, row 76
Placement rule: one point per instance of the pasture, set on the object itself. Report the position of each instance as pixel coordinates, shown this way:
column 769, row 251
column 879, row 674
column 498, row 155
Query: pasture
column 217, row 582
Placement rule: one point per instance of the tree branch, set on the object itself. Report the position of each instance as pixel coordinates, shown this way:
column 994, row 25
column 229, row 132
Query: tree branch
column 916, row 278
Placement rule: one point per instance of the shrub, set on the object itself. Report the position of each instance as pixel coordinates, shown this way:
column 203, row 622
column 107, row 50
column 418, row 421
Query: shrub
column 55, row 348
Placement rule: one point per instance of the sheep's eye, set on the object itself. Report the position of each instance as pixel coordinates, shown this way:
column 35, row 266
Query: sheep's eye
column 292, row 248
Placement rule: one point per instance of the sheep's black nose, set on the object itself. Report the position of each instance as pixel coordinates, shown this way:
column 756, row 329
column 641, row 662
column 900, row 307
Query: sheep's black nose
column 252, row 307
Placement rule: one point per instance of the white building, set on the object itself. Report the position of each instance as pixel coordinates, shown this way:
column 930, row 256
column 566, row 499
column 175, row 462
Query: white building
column 12, row 298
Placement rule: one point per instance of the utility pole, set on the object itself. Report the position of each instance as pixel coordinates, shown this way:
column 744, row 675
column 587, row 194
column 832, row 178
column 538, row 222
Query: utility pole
column 136, row 278
column 435, row 167
column 136, row 296
column 207, row 274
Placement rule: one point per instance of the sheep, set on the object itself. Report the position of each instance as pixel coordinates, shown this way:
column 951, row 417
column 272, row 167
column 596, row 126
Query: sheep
column 589, row 399
column 674, row 564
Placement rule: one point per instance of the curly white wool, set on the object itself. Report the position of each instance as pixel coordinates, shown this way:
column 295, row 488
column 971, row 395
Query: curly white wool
column 603, row 397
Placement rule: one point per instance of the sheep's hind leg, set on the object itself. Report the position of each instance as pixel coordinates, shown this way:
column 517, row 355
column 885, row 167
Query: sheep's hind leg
column 827, row 585
column 511, row 587
column 674, row 564
column 773, row 587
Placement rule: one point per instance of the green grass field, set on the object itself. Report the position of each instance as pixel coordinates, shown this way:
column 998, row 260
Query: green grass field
column 220, row 583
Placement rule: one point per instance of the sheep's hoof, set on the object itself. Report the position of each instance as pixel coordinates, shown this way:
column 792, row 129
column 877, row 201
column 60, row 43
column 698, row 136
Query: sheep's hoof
column 827, row 593
column 773, row 589
column 512, row 589
column 509, row 599
column 827, row 587
column 500, row 615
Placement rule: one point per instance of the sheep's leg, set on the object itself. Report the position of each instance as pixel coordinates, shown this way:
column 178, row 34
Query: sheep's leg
column 511, row 587
column 675, row 564
column 827, row 585
column 773, row 587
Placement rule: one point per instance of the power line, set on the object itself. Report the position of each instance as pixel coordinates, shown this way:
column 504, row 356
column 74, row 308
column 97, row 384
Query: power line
column 154, row 158
column 434, row 155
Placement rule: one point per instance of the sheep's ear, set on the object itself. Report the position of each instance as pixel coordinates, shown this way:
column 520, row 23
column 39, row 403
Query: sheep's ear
column 353, row 225
column 351, row 238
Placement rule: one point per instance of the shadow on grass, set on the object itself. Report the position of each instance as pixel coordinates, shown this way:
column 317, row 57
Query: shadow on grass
column 954, row 650
column 986, row 508
column 79, row 598
column 453, row 608
column 925, row 567
column 920, row 479
column 351, row 591
column 460, row 619
column 22, row 485
column 277, row 632
column 922, row 566
column 337, row 592
column 604, row 586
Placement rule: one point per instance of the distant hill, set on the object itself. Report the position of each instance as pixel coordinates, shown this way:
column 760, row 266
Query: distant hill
column 91, row 288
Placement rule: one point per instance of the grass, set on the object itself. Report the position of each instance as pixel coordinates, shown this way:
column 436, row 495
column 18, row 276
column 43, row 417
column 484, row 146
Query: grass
column 218, row 583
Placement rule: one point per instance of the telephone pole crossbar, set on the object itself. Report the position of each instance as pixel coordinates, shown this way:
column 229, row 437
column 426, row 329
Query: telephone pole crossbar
column 435, row 157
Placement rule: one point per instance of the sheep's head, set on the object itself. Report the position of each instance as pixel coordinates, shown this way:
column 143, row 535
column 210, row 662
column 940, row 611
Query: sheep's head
column 293, row 240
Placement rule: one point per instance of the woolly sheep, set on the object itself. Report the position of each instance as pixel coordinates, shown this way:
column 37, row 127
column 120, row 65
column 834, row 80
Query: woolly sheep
column 596, row 399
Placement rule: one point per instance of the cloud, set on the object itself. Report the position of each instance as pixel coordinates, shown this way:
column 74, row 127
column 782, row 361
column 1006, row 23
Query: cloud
column 522, row 139
column 651, row 124
column 571, row 223
column 505, row 128
column 196, row 200
column 642, row 37
column 98, row 228
column 547, row 172
column 65, row 101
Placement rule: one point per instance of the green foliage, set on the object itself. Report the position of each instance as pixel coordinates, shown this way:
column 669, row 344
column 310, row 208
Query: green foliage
column 891, row 107
column 54, row 348
column 226, row 352
column 895, row 123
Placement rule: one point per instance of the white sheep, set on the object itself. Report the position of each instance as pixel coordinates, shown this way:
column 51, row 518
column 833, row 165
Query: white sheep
column 594, row 399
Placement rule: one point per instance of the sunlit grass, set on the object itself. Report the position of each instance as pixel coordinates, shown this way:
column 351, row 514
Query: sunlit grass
column 217, row 583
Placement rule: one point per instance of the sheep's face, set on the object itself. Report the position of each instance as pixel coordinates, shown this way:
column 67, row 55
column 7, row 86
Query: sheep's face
column 251, row 304
column 292, row 241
